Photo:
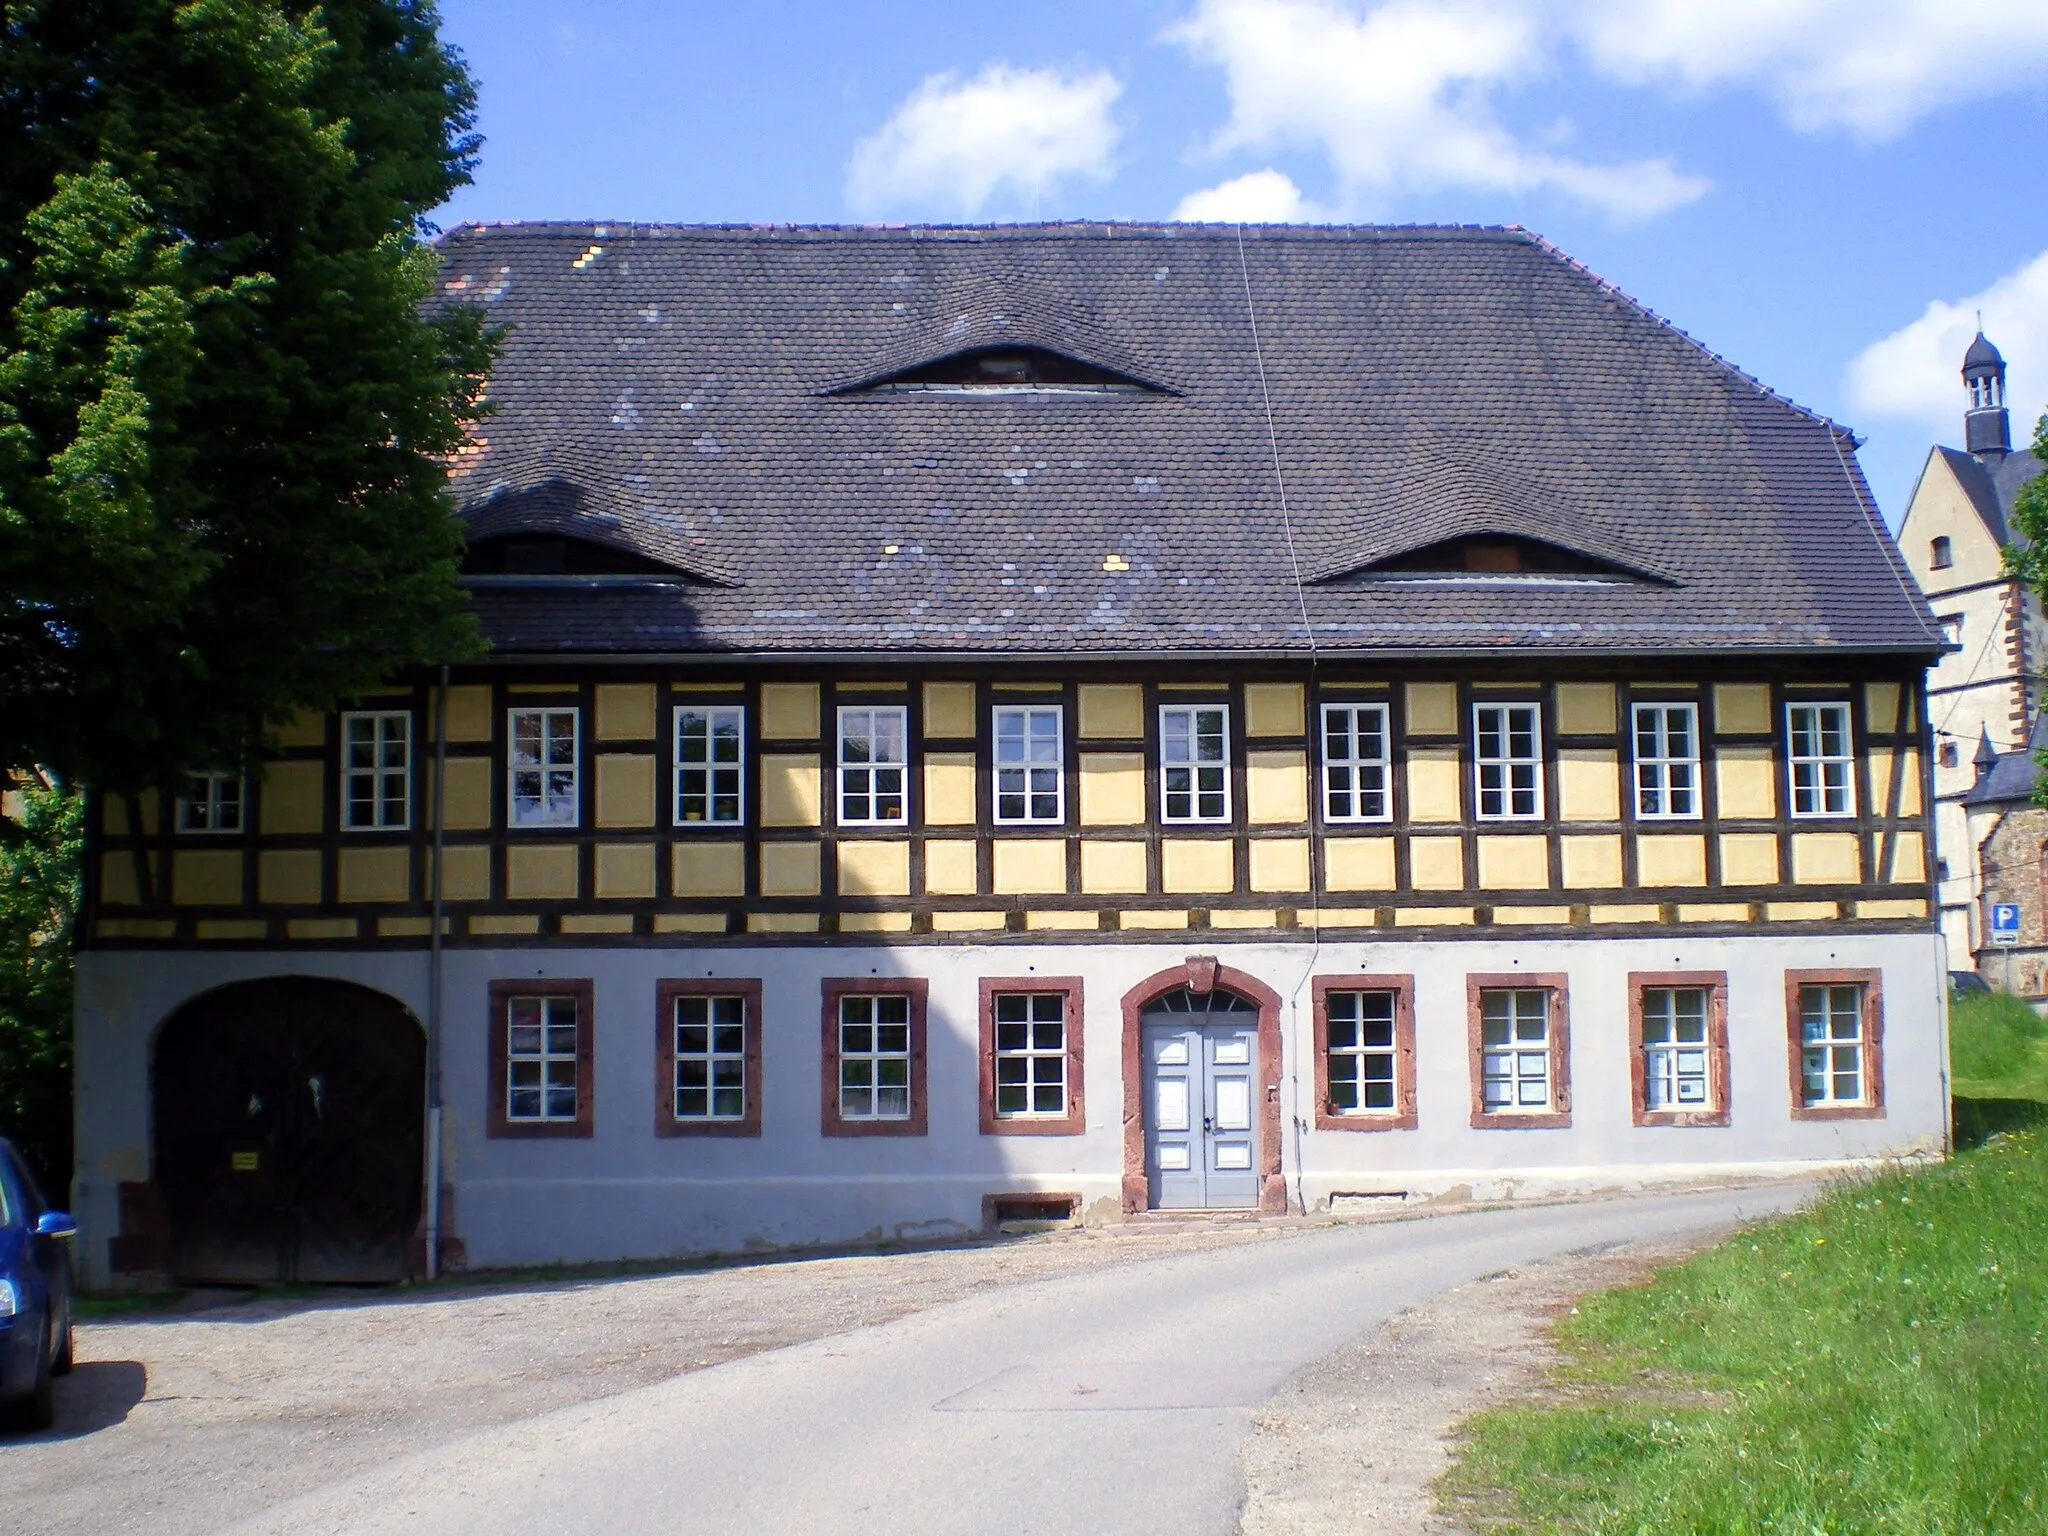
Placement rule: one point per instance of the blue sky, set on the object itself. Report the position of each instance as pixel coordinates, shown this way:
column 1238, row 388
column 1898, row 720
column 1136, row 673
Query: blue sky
column 1824, row 191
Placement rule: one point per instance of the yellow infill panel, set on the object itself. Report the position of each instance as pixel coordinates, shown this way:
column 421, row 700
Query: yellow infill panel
column 1432, row 709
column 1827, row 858
column 1243, row 917
column 1591, row 862
column 134, row 928
column 294, row 798
column 117, row 878
column 1145, row 919
column 1113, row 869
column 1801, row 911
column 1892, row 908
column 374, row 874
column 625, row 789
column 207, row 878
column 1745, row 782
column 1742, row 709
column 1433, row 917
column 1112, row 789
column 708, row 869
column 790, row 792
column 874, row 922
column 625, row 712
column 1433, row 787
column 874, row 869
column 1623, row 912
column 689, row 922
column 469, row 874
column 949, row 711
column 1190, row 866
column 288, row 877
column 1273, row 709
column 469, row 714
column 1276, row 788
column 1519, row 863
column 1111, row 711
column 949, row 789
column 1030, row 866
column 623, row 871
column 1749, row 858
column 1881, row 703
column 1436, row 863
column 409, row 927
column 1279, row 864
column 310, row 730
column 231, row 928
column 321, row 928
column 789, row 711
column 967, row 922
column 789, row 869
column 1585, row 709
column 951, row 869
column 1339, row 917
column 1588, row 784
column 1524, row 916
column 597, row 922
column 1083, row 922
column 507, row 923
column 1358, row 863
column 469, row 794
column 1671, row 860
column 1713, row 912
column 1908, row 859
column 541, row 872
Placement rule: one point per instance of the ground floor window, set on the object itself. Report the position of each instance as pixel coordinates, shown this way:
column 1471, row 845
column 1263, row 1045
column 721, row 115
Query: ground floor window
column 540, row 1059
column 708, row 1058
column 1520, row 1051
column 1031, row 1056
column 1365, row 1039
column 874, row 1058
column 1679, row 1033
column 1835, row 1026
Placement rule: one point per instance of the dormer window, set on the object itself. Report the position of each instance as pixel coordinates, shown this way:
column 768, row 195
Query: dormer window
column 1941, row 554
column 553, row 554
column 1015, row 370
column 1493, row 557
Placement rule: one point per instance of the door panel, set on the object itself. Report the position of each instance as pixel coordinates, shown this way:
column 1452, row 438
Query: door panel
column 1173, row 1136
column 288, row 1129
column 1201, row 1137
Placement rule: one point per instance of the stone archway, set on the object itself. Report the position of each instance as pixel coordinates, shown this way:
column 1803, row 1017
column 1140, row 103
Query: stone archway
column 1202, row 974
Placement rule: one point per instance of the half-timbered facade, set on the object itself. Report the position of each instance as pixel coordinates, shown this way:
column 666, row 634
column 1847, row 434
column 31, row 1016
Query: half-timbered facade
column 1077, row 720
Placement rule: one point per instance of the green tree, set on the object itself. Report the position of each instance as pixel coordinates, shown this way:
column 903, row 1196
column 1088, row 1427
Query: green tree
column 41, row 830
column 2029, row 561
column 224, row 410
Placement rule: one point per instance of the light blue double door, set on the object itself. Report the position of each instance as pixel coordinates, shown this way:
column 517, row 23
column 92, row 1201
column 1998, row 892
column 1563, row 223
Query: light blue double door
column 1201, row 1136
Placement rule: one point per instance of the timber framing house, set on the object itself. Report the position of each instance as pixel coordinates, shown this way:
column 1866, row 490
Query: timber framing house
column 1070, row 719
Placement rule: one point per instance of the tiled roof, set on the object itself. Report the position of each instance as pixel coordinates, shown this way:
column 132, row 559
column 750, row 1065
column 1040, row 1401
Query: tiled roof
column 691, row 393
column 2011, row 776
column 1993, row 487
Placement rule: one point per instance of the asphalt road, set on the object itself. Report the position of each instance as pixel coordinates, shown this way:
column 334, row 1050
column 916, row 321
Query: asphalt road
column 1101, row 1402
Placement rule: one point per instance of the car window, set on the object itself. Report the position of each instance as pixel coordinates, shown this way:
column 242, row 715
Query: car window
column 26, row 1195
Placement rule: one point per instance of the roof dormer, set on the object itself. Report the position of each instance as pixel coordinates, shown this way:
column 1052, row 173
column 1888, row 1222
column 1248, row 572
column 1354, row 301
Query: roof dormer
column 1015, row 369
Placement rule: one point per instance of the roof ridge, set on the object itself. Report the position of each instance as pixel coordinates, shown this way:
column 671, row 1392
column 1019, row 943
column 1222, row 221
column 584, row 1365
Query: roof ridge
column 601, row 228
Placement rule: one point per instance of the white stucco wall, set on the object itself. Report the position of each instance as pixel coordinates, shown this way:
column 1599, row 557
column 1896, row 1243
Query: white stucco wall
column 626, row 1193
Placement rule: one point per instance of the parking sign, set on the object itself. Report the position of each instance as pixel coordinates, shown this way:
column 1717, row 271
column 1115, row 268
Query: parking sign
column 2005, row 922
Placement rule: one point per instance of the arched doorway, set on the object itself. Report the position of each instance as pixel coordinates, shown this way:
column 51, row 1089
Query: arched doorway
column 288, row 1133
column 1201, row 1065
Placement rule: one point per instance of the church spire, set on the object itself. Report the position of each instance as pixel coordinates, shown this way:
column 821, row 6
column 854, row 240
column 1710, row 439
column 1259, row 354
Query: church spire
column 1987, row 427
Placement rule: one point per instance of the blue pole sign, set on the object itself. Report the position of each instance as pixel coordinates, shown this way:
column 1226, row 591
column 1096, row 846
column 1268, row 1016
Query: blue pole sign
column 2005, row 922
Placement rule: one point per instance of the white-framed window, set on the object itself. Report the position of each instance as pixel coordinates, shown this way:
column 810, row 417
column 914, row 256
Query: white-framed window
column 540, row 1059
column 212, row 802
column 1667, row 762
column 1819, row 757
column 710, row 1058
column 711, row 750
column 1194, row 762
column 1030, row 764
column 1356, row 754
column 873, row 765
column 1832, row 1071
column 376, row 770
column 1507, row 756
column 541, row 767
column 1031, row 1054
column 1514, row 1049
column 1675, row 1071
column 874, row 1057
column 1363, row 1055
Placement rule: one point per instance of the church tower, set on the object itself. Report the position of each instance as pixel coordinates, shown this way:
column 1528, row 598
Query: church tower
column 1987, row 427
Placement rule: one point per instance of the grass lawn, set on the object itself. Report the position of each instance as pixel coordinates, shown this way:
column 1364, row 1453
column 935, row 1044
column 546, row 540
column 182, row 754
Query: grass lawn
column 1876, row 1365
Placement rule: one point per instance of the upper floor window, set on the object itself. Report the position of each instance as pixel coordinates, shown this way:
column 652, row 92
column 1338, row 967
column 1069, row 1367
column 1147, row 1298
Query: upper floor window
column 1030, row 783
column 541, row 766
column 212, row 802
column 1507, row 753
column 710, row 758
column 1820, row 761
column 1667, row 761
column 376, row 770
column 1941, row 554
column 1355, row 763
column 1194, row 763
column 873, row 766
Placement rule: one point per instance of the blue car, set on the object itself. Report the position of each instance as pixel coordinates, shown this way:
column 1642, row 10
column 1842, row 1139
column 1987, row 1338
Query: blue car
column 35, row 1296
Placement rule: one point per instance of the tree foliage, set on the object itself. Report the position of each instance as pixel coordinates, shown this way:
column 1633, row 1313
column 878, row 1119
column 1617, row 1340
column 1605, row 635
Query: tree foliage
column 2029, row 561
column 39, row 895
column 223, row 412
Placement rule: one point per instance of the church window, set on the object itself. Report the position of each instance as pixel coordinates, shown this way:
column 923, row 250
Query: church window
column 1942, row 554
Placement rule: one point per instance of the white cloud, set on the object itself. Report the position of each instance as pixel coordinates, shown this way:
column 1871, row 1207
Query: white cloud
column 1916, row 372
column 956, row 143
column 1396, row 97
column 1399, row 94
column 1260, row 197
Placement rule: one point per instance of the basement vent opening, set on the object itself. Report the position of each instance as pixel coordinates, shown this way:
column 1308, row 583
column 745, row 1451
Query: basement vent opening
column 1017, row 1214
column 1345, row 1202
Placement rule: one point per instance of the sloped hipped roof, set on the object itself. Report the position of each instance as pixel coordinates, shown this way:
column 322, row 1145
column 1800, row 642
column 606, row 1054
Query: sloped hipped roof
column 1993, row 487
column 693, row 394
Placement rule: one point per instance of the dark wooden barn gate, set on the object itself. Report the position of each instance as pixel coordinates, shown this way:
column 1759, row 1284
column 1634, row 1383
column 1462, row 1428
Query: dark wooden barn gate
column 289, row 1133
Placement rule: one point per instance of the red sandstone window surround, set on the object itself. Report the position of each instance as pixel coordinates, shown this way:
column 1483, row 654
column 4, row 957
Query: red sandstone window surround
column 1519, row 1036
column 873, row 1077
column 542, row 1059
column 707, row 1057
column 1835, row 1043
column 1365, row 1053
column 1031, row 1056
column 1678, row 1047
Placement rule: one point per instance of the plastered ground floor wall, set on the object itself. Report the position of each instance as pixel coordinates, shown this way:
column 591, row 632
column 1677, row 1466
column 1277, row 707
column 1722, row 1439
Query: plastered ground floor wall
column 625, row 1192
